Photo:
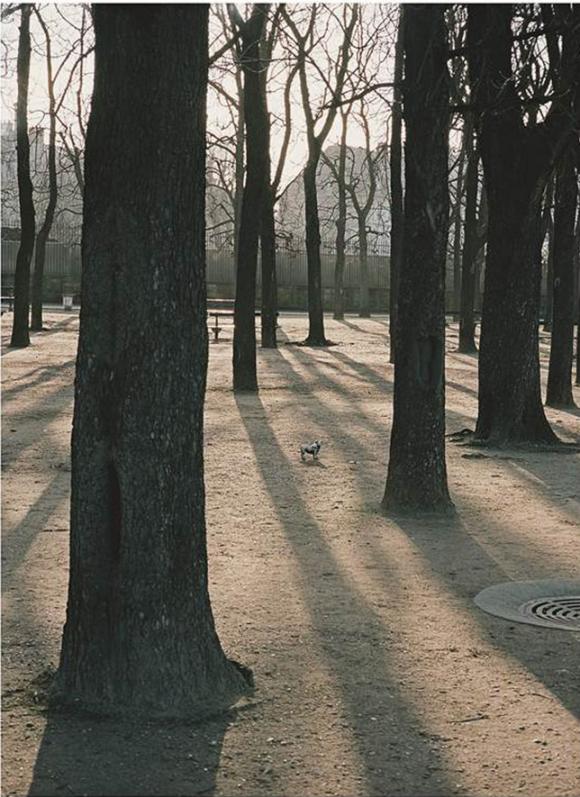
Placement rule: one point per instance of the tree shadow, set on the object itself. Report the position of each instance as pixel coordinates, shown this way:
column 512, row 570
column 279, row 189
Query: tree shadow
column 351, row 633
column 105, row 756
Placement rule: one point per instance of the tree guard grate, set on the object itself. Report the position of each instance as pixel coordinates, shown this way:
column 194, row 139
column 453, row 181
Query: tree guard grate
column 549, row 603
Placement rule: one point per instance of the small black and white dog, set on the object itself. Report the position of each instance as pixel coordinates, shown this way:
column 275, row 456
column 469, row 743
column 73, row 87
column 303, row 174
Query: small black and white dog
column 310, row 448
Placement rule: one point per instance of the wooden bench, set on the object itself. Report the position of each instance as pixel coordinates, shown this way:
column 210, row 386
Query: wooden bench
column 217, row 314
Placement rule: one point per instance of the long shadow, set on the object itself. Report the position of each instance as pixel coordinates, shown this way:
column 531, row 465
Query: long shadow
column 350, row 632
column 44, row 374
column 383, row 335
column 552, row 656
column 59, row 326
column 85, row 755
column 469, row 391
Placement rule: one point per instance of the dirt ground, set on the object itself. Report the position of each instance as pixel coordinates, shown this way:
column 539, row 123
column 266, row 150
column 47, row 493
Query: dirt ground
column 375, row 672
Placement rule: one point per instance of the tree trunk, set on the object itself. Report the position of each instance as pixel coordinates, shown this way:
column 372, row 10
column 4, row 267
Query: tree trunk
column 20, row 335
column 139, row 636
column 240, row 166
column 482, row 220
column 364, row 304
column 549, row 310
column 564, row 309
column 316, row 336
column 468, row 266
column 340, row 225
column 417, row 475
column 397, row 217
column 44, row 232
column 515, row 162
column 457, row 223
column 257, row 174
column 268, row 246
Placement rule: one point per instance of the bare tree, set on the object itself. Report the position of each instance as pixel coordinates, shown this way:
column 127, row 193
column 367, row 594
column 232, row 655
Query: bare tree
column 395, row 160
column 306, row 43
column 20, row 334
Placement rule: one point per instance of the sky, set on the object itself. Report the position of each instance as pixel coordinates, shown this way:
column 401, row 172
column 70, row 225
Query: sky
column 64, row 19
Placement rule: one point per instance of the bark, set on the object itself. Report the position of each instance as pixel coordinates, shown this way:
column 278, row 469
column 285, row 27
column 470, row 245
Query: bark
column 139, row 637
column 397, row 216
column 20, row 335
column 268, row 229
column 549, row 311
column 257, row 176
column 516, row 165
column 364, row 304
column 417, row 476
column 457, row 254
column 559, row 391
column 240, row 165
column 316, row 336
column 470, row 244
column 481, row 245
column 44, row 232
column 340, row 224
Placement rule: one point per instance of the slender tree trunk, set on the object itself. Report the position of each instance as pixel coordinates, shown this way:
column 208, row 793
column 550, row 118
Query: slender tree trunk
column 468, row 266
column 268, row 246
column 515, row 165
column 340, row 225
column 562, row 345
column 139, row 637
column 316, row 336
column 549, row 310
column 397, row 217
column 20, row 335
column 257, row 178
column 457, row 223
column 482, row 220
column 365, row 304
column 417, row 476
column 44, row 232
column 240, row 166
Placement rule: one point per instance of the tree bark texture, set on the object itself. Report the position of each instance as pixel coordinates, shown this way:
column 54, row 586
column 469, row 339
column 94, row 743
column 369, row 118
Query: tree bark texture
column 547, row 228
column 316, row 336
column 44, row 232
column 20, row 335
column 268, row 231
column 559, row 391
column 470, row 244
column 139, row 635
column 397, row 216
column 417, row 476
column 457, row 225
column 340, row 224
column 515, row 161
column 257, row 173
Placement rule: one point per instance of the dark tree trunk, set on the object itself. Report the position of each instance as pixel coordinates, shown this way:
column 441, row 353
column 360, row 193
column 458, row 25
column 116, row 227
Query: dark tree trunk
column 562, row 346
column 340, row 225
column 316, row 336
column 269, row 293
column 139, row 635
column 239, row 170
column 44, row 232
column 20, row 335
column 481, row 245
column 547, row 228
column 397, row 217
column 457, row 223
column 257, row 175
column 470, row 243
column 417, row 475
column 515, row 162
column 365, row 304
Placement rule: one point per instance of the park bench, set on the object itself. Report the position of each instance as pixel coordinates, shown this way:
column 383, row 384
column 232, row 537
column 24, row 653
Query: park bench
column 223, row 309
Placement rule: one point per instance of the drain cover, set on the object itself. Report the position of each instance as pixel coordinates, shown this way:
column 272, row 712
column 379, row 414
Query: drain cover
column 549, row 603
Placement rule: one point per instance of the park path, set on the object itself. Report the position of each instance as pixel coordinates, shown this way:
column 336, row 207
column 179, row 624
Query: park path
column 375, row 672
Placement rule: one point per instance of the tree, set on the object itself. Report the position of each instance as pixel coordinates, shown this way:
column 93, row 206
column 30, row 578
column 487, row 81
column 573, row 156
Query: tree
column 397, row 216
column 305, row 44
column 139, row 635
column 44, row 232
column 564, row 307
column 417, row 477
column 470, row 247
column 20, row 335
column 517, row 160
column 257, row 181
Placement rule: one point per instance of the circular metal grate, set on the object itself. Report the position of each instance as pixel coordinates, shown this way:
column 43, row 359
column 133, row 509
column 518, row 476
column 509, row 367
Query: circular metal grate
column 551, row 603
column 562, row 611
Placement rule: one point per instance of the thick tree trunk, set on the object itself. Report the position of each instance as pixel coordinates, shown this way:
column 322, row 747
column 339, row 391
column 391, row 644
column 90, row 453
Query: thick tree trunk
column 365, row 303
column 468, row 266
column 44, row 232
column 316, row 336
column 417, row 476
column 257, row 175
column 515, row 162
column 564, row 309
column 20, row 335
column 139, row 635
column 397, row 217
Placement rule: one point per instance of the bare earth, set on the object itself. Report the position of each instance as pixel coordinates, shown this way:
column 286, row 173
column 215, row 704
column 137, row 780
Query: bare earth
column 375, row 672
